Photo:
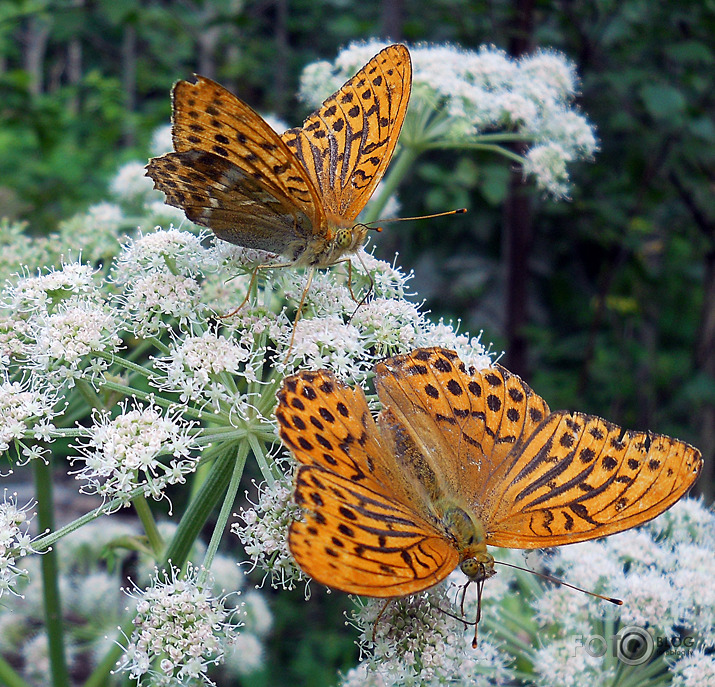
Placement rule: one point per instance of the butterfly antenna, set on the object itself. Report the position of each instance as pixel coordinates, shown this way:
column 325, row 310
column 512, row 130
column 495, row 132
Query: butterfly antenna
column 459, row 211
column 556, row 580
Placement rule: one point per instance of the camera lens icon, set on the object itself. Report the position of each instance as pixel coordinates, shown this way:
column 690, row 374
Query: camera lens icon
column 634, row 645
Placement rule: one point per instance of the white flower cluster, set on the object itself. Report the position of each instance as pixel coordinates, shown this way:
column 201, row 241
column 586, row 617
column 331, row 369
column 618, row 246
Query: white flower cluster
column 264, row 532
column 661, row 572
column 478, row 93
column 56, row 323
column 416, row 643
column 122, row 454
column 181, row 629
column 199, row 367
column 158, row 272
column 26, row 412
column 15, row 542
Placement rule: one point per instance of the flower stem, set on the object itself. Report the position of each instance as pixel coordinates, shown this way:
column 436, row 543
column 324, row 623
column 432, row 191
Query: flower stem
column 198, row 511
column 225, row 513
column 50, row 576
column 147, row 518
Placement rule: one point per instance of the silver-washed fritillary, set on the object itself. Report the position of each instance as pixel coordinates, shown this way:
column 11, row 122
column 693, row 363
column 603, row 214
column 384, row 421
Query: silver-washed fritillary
column 457, row 460
column 298, row 193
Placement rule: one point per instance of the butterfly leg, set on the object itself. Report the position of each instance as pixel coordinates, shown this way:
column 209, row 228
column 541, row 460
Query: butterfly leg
column 311, row 274
column 377, row 620
column 251, row 284
column 350, row 284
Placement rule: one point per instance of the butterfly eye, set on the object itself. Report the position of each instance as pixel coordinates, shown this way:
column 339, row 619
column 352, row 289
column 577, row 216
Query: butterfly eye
column 479, row 567
column 343, row 238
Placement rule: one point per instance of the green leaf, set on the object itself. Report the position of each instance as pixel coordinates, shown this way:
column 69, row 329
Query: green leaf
column 662, row 101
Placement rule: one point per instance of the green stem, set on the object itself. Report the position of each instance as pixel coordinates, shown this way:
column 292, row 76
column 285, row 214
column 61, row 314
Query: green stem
column 9, row 677
column 123, row 362
column 260, row 454
column 87, row 392
column 199, row 510
column 147, row 518
column 50, row 577
column 398, row 171
column 462, row 145
column 225, row 513
column 152, row 397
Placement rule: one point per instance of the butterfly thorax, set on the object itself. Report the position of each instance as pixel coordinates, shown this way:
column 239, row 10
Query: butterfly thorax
column 339, row 238
column 470, row 540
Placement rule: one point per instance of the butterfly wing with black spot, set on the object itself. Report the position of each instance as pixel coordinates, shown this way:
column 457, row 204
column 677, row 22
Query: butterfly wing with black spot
column 579, row 477
column 232, row 173
column 452, row 427
column 359, row 534
column 347, row 144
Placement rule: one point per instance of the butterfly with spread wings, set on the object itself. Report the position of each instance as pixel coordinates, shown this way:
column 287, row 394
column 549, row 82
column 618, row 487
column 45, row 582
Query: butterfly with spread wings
column 297, row 194
column 457, row 460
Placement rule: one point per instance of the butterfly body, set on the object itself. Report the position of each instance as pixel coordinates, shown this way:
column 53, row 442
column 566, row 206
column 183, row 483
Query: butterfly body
column 457, row 460
column 297, row 194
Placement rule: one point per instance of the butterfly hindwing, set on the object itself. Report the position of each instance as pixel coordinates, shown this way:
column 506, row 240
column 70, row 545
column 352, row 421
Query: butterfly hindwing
column 346, row 145
column 215, row 193
column 358, row 536
column 360, row 540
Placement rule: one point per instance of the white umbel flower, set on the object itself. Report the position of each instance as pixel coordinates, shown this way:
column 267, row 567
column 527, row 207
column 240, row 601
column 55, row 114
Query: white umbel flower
column 181, row 629
column 124, row 453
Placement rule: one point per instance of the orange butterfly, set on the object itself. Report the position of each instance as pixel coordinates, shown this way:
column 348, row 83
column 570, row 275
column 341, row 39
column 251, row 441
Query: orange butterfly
column 457, row 460
column 299, row 193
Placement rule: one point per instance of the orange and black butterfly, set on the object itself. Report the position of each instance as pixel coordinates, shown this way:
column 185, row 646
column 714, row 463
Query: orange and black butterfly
column 457, row 460
column 299, row 193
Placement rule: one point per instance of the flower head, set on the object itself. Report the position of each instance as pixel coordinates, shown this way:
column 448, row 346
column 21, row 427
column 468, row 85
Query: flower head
column 417, row 643
column 123, row 453
column 181, row 629
column 15, row 542
column 264, row 532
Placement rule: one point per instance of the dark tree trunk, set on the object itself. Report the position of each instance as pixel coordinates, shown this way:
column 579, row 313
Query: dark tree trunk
column 705, row 361
column 280, row 62
column 392, row 18
column 129, row 79
column 34, row 48
column 518, row 223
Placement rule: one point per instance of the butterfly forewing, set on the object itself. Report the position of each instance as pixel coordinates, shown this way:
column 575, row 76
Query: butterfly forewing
column 580, row 477
column 208, row 117
column 346, row 145
column 466, row 421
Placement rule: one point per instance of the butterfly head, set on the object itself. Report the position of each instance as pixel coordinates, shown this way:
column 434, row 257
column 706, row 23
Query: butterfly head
column 340, row 240
column 478, row 567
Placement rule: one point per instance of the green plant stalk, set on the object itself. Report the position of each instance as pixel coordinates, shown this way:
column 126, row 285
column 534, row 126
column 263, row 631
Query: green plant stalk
column 50, row 577
column 225, row 512
column 150, row 397
column 149, row 523
column 199, row 509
